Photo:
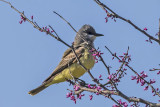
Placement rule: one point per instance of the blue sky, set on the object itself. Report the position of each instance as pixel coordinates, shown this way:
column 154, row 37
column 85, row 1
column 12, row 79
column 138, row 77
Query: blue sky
column 27, row 56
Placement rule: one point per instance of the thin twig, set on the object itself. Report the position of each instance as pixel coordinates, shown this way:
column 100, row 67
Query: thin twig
column 70, row 25
column 104, row 7
column 53, row 30
column 104, row 63
column 159, row 31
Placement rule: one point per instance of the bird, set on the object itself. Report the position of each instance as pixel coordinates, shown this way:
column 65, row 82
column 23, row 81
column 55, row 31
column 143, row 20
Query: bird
column 69, row 66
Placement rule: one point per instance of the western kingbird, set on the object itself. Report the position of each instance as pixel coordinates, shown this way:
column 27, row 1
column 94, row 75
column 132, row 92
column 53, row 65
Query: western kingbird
column 69, row 66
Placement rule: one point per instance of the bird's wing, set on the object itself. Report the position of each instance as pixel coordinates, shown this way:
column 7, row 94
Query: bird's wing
column 68, row 59
column 69, row 50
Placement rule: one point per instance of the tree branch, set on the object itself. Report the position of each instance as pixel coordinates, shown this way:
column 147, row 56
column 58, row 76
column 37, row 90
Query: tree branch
column 114, row 14
column 118, row 93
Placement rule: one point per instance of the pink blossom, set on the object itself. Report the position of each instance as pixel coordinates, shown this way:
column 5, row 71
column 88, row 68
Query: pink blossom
column 121, row 56
column 146, row 88
column 144, row 75
column 106, row 19
column 158, row 72
column 152, row 81
column 125, row 104
column 32, row 17
column 21, row 21
column 125, row 53
column 133, row 78
column 69, row 94
column 124, row 69
column 47, row 30
column 145, row 29
column 100, row 76
column 96, row 54
column 94, row 87
column 76, row 87
column 120, row 61
column 106, row 11
column 110, row 76
column 92, row 50
column 97, row 93
column 98, row 88
column 108, row 15
column 149, row 40
column 89, row 85
column 142, row 72
column 120, row 102
column 73, row 98
column 115, row 105
column 80, row 96
column 142, row 82
column 90, row 97
column 138, row 80
column 153, row 91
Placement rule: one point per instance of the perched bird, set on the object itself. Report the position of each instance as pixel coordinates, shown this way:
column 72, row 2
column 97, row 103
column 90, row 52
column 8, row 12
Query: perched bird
column 69, row 66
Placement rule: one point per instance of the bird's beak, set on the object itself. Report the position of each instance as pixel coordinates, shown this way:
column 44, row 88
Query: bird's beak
column 97, row 34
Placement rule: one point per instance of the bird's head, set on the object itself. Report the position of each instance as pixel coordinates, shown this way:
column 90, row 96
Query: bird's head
column 86, row 34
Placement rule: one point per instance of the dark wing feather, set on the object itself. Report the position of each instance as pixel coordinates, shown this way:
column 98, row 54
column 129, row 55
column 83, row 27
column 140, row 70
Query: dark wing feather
column 67, row 59
column 69, row 50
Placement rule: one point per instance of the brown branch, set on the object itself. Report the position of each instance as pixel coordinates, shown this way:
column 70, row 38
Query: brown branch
column 114, row 14
column 154, row 69
column 104, row 63
column 117, row 93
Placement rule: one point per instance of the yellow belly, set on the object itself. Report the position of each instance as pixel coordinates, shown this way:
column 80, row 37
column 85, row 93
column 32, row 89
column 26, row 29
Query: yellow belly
column 75, row 70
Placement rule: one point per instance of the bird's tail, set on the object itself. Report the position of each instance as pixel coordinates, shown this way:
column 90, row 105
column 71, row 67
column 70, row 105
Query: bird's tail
column 37, row 90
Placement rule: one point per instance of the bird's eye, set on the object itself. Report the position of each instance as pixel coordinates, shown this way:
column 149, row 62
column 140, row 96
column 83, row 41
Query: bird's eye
column 89, row 33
